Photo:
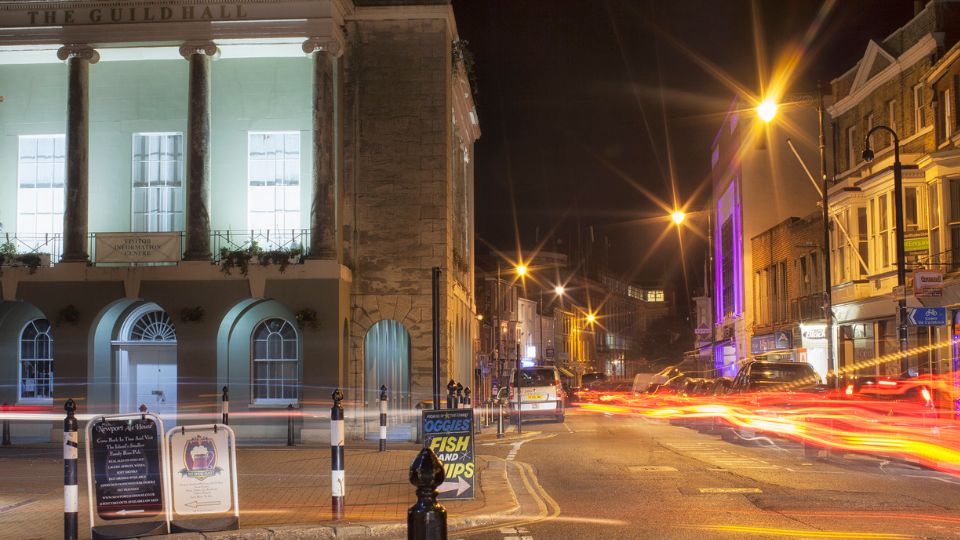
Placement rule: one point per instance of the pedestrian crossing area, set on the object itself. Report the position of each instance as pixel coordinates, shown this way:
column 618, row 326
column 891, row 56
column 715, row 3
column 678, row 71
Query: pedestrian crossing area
column 718, row 454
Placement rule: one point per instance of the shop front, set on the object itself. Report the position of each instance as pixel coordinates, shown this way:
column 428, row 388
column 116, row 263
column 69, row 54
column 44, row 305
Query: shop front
column 775, row 347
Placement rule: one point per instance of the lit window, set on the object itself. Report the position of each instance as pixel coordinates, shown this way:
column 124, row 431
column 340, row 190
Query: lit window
column 36, row 362
column 40, row 193
column 853, row 144
column 273, row 173
column 157, row 182
column 919, row 118
column 947, row 115
column 276, row 362
column 655, row 295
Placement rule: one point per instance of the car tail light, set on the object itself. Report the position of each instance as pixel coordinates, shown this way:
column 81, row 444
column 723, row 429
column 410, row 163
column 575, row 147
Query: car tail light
column 849, row 390
column 887, row 383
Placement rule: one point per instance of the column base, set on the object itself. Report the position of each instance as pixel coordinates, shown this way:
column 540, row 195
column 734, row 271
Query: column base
column 74, row 257
column 198, row 256
column 322, row 255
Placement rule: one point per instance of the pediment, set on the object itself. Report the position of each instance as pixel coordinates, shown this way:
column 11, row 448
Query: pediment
column 875, row 60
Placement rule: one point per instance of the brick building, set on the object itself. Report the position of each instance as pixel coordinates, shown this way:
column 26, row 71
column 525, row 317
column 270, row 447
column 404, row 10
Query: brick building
column 788, row 293
column 248, row 195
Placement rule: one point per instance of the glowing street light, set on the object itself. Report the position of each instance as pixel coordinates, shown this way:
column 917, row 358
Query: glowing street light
column 678, row 216
column 591, row 318
column 767, row 109
column 559, row 290
column 521, row 270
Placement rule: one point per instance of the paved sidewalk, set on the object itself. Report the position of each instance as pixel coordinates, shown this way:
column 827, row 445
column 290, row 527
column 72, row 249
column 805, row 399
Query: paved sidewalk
column 284, row 493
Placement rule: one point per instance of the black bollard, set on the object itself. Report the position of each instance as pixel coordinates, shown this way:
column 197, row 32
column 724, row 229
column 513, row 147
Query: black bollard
column 383, row 417
column 338, row 487
column 451, row 388
column 419, row 408
column 427, row 518
column 6, row 426
column 71, row 492
column 459, row 401
column 466, row 397
column 290, row 424
column 500, row 419
column 226, row 407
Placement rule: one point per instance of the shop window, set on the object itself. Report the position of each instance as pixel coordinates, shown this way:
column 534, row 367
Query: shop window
column 36, row 362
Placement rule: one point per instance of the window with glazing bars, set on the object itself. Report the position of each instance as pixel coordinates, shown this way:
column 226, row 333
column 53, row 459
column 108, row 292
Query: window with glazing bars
column 158, row 182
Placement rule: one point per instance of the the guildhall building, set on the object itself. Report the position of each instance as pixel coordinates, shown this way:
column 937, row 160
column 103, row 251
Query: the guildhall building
column 197, row 194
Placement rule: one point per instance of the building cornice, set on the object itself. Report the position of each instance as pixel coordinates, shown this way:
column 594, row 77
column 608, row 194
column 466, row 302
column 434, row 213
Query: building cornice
column 924, row 46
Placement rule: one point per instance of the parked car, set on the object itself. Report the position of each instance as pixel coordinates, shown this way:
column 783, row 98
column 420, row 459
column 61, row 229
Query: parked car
column 763, row 376
column 541, row 394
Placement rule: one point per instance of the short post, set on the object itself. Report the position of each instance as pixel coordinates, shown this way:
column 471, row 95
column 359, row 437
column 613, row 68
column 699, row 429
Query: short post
column 466, row 397
column 6, row 426
column 338, row 486
column 225, row 405
column 290, row 424
column 459, row 401
column 419, row 408
column 383, row 417
column 427, row 518
column 451, row 388
column 71, row 494
column 500, row 419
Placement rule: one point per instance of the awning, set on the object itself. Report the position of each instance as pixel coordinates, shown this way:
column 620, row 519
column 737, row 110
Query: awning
column 565, row 372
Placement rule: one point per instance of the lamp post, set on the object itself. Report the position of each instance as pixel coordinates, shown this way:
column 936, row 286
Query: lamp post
column 678, row 217
column 898, row 223
column 767, row 110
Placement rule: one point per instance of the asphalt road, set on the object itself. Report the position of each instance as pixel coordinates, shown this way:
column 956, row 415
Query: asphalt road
column 600, row 476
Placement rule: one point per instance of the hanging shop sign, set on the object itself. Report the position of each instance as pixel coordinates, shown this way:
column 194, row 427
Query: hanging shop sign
column 449, row 433
column 927, row 283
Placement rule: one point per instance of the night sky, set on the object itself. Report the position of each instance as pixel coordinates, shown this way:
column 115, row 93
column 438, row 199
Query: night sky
column 579, row 98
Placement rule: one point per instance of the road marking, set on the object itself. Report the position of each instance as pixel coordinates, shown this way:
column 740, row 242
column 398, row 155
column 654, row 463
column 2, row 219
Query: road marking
column 731, row 490
column 568, row 428
column 652, row 468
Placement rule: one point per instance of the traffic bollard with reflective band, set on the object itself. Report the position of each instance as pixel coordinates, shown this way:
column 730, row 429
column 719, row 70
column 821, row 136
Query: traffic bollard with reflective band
column 427, row 518
column 6, row 426
column 383, row 418
column 338, row 484
column 451, row 388
column 226, row 407
column 71, row 492
column 290, row 424
column 500, row 419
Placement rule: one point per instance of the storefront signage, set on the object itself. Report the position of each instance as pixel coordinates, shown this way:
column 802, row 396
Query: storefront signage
column 934, row 316
column 124, row 464
column 137, row 247
column 702, row 330
column 449, row 433
column 815, row 332
column 203, row 469
column 916, row 243
column 927, row 283
column 771, row 342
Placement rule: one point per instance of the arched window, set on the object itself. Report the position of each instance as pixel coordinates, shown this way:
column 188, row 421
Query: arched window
column 276, row 362
column 154, row 325
column 36, row 361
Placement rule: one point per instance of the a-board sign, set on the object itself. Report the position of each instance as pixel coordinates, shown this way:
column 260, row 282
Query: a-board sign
column 203, row 469
column 449, row 433
column 126, row 457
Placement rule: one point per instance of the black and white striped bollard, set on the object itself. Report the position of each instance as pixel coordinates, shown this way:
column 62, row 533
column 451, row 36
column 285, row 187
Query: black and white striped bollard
column 71, row 492
column 383, row 418
column 225, row 403
column 338, row 486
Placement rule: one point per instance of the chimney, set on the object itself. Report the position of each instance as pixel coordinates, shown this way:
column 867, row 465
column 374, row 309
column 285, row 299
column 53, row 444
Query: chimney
column 917, row 7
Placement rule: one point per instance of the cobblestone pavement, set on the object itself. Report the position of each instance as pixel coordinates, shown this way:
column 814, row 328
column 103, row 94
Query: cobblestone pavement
column 278, row 486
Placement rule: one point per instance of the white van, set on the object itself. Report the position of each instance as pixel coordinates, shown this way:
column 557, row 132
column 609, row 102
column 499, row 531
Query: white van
column 541, row 394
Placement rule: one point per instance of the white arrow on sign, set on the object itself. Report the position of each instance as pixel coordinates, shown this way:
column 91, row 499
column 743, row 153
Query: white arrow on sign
column 460, row 485
column 125, row 512
column 200, row 504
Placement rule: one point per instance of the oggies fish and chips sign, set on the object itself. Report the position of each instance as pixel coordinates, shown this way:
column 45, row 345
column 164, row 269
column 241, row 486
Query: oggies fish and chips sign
column 449, row 433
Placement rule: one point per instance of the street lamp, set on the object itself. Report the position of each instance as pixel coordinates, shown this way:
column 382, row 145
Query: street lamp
column 898, row 217
column 591, row 318
column 767, row 110
column 521, row 270
column 559, row 290
column 678, row 216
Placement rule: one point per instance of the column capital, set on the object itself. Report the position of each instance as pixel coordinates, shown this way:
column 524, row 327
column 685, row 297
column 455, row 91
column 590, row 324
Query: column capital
column 78, row 50
column 329, row 45
column 191, row 48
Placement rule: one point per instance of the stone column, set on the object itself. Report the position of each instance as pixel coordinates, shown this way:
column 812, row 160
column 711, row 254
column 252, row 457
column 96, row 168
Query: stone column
column 198, row 151
column 323, row 210
column 75, row 225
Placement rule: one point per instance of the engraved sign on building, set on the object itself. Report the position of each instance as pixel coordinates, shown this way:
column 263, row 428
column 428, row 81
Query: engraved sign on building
column 137, row 247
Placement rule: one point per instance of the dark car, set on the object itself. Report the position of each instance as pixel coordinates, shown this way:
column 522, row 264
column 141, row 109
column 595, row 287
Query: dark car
column 763, row 376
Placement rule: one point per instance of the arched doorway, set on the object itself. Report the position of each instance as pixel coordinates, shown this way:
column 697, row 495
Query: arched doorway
column 146, row 353
column 386, row 360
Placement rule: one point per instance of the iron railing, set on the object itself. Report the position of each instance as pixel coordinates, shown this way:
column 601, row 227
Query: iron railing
column 51, row 245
